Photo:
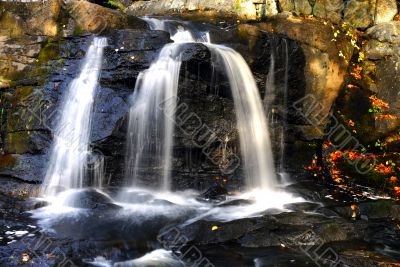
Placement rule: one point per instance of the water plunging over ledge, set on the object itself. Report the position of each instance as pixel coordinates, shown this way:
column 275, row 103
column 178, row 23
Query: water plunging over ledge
column 255, row 144
column 159, row 83
column 151, row 127
column 150, row 130
column 67, row 167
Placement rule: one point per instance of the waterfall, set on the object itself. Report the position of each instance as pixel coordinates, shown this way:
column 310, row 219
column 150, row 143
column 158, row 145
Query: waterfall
column 255, row 144
column 70, row 151
column 151, row 127
column 150, row 130
column 151, row 116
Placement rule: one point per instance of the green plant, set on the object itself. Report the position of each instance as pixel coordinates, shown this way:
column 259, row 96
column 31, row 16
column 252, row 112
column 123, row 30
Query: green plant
column 116, row 4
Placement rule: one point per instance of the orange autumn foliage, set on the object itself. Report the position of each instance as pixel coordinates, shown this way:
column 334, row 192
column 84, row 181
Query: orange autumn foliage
column 356, row 72
column 376, row 102
column 383, row 169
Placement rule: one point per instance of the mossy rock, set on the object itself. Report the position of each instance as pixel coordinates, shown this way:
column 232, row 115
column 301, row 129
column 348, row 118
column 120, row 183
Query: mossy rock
column 18, row 143
column 50, row 51
column 21, row 94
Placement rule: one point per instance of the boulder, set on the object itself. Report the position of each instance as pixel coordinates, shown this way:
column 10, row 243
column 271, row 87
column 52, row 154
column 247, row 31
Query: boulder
column 360, row 14
column 363, row 14
column 385, row 11
column 214, row 193
column 387, row 32
column 329, row 9
column 35, row 18
column 89, row 199
column 25, row 167
column 93, row 18
column 299, row 7
column 381, row 72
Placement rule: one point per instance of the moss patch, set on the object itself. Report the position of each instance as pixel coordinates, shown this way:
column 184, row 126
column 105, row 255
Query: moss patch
column 50, row 51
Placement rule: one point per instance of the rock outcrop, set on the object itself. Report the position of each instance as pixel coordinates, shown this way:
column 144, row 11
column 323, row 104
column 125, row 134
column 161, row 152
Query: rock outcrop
column 358, row 13
column 325, row 68
column 228, row 9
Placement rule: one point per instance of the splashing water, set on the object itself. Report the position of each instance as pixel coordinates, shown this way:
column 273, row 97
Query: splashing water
column 159, row 257
column 70, row 150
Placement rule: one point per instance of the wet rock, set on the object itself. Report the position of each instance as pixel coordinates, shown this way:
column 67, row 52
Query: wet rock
column 379, row 209
column 353, row 257
column 304, row 206
column 235, row 202
column 90, row 199
column 214, row 193
column 26, row 167
column 341, row 230
column 109, row 108
column 128, row 53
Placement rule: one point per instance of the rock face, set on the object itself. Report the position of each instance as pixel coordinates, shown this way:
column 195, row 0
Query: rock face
column 34, row 18
column 358, row 13
column 329, row 9
column 32, row 109
column 299, row 7
column 96, row 19
column 363, row 14
column 230, row 9
column 381, row 73
column 385, row 11
column 324, row 70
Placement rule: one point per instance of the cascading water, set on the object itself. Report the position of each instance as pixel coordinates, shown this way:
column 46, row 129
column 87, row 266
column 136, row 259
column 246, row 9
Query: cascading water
column 251, row 120
column 70, row 150
column 150, row 129
column 139, row 214
column 276, row 98
column 252, row 123
column 151, row 125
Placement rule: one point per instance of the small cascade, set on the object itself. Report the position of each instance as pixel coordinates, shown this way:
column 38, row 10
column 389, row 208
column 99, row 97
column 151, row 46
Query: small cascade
column 70, row 152
column 180, row 31
column 151, row 122
column 151, row 117
column 276, row 98
column 252, row 122
column 151, row 131
column 270, row 91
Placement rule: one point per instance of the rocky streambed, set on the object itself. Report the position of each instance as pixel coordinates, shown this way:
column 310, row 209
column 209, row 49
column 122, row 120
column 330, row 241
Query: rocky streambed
column 319, row 231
